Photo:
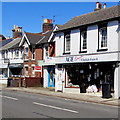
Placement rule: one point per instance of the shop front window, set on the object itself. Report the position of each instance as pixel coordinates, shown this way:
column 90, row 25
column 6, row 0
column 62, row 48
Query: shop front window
column 90, row 75
column 72, row 77
column 3, row 73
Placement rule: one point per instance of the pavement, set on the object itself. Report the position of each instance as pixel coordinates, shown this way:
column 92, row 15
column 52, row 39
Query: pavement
column 86, row 97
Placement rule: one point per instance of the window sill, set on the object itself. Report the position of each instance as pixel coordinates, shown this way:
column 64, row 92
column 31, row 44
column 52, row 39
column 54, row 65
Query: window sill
column 82, row 51
column 99, row 50
column 66, row 53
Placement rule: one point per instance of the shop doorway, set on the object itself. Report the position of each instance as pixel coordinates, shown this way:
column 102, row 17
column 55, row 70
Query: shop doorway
column 51, row 77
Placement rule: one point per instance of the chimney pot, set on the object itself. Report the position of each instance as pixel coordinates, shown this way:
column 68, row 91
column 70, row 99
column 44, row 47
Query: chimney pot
column 98, row 6
column 17, row 31
column 104, row 6
column 47, row 25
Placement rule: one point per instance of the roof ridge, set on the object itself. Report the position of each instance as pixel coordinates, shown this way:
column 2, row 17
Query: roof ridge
column 34, row 33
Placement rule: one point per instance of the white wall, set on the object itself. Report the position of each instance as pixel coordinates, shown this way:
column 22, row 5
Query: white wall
column 92, row 39
column 59, row 44
column 113, row 36
column 75, row 42
column 45, row 76
column 117, row 83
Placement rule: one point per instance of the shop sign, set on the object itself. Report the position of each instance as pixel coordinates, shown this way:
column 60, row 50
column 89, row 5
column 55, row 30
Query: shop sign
column 87, row 58
column 79, row 58
column 15, row 65
column 38, row 68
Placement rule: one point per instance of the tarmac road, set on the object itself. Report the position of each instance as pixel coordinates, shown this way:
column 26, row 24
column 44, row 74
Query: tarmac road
column 16, row 104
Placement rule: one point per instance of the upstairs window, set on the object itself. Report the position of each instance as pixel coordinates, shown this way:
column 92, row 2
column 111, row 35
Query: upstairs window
column 103, row 37
column 26, row 53
column 102, row 40
column 12, row 54
column 83, row 40
column 3, row 54
column 46, row 51
column 6, row 54
column 16, row 53
column 33, row 53
column 67, row 42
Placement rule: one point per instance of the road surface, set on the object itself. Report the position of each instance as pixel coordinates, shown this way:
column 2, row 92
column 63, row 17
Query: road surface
column 16, row 104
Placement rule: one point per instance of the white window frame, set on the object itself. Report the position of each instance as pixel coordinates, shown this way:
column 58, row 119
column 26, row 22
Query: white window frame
column 67, row 40
column 33, row 54
column 103, row 38
column 83, row 39
column 26, row 53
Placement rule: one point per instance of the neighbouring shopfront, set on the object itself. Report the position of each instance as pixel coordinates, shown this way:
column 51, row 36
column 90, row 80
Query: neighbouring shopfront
column 16, row 69
column 51, row 76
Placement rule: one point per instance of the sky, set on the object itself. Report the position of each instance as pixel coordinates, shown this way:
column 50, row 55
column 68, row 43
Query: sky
column 28, row 15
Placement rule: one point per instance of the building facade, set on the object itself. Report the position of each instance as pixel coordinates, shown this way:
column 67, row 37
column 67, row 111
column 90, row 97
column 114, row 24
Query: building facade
column 11, row 56
column 33, row 44
column 88, row 52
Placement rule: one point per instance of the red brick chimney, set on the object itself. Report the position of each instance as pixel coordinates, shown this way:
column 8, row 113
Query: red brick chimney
column 47, row 25
column 17, row 31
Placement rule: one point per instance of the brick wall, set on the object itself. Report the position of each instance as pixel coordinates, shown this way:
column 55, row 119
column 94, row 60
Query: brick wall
column 34, row 82
column 30, row 62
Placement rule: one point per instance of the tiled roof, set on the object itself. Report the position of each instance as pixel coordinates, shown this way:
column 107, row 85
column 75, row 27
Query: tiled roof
column 46, row 37
column 38, row 38
column 59, row 26
column 13, row 44
column 93, row 17
column 34, row 37
column 4, row 42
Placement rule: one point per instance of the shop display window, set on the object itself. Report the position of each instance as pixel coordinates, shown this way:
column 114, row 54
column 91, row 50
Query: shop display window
column 89, row 74
column 72, row 77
